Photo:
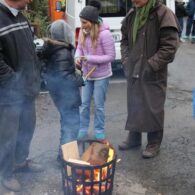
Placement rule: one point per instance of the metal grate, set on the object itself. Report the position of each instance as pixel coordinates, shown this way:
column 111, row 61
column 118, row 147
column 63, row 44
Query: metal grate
column 88, row 180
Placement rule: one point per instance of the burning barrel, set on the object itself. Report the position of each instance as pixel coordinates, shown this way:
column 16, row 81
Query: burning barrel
column 93, row 176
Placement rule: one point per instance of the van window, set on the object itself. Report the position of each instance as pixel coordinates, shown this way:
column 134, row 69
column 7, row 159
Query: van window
column 114, row 8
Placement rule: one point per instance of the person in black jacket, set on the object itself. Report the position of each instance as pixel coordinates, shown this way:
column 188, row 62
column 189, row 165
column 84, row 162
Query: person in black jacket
column 190, row 28
column 180, row 12
column 62, row 81
column 19, row 86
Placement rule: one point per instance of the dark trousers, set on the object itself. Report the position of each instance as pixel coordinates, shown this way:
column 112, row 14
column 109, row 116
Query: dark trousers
column 153, row 137
column 180, row 20
column 17, row 124
column 66, row 97
column 190, row 28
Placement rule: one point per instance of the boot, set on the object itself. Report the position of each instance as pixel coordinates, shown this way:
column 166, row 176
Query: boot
column 133, row 140
column 151, row 151
column 153, row 147
column 11, row 183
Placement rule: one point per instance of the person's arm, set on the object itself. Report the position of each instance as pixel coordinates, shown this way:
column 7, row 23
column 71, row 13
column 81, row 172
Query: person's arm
column 6, row 72
column 108, row 48
column 169, row 41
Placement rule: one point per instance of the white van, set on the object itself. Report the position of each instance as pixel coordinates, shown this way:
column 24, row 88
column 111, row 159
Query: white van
column 112, row 12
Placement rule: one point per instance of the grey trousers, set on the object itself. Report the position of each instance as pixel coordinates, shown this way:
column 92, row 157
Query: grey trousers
column 17, row 124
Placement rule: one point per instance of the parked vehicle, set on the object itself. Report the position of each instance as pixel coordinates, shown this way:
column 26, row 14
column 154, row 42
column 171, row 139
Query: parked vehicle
column 56, row 9
column 112, row 12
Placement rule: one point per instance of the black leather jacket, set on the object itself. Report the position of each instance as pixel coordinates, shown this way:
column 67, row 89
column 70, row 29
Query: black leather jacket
column 59, row 61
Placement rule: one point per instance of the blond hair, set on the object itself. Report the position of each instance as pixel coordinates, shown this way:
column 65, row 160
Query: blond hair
column 94, row 33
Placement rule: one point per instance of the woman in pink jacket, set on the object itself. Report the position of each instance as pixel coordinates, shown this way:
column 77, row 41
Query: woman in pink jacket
column 95, row 49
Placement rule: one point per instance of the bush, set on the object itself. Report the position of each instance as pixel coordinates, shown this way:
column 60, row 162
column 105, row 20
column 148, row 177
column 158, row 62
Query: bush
column 37, row 14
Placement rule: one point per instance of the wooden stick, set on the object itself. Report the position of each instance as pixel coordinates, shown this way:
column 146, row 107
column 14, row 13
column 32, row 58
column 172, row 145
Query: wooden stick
column 90, row 72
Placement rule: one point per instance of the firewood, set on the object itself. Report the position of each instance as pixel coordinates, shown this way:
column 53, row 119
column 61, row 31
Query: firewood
column 96, row 154
column 81, row 162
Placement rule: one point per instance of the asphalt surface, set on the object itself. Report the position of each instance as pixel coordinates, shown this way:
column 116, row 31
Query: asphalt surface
column 172, row 172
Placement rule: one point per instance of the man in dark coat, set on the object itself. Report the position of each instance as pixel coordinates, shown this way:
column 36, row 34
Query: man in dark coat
column 149, row 42
column 19, row 85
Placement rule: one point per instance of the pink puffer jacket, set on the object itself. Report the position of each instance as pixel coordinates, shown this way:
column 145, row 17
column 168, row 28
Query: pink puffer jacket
column 101, row 57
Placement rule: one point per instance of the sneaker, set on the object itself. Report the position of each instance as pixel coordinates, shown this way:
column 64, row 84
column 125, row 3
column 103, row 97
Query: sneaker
column 182, row 40
column 151, row 151
column 28, row 166
column 11, row 183
column 82, row 135
column 100, row 136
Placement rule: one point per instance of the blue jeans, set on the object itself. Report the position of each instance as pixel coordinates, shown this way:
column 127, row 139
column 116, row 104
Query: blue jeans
column 16, row 132
column 98, row 90
column 66, row 97
column 69, row 120
column 180, row 20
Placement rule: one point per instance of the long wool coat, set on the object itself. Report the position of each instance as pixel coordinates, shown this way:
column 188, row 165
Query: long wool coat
column 145, row 65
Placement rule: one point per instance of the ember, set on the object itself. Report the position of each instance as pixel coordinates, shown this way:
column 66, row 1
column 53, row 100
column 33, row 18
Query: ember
column 93, row 174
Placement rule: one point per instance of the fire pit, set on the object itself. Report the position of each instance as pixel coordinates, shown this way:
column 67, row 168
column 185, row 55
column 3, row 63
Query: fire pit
column 83, row 179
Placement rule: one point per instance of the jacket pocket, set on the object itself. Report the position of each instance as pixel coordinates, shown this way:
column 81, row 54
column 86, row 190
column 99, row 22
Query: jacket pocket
column 149, row 74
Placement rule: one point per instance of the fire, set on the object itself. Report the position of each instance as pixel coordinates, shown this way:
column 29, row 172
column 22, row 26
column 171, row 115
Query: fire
column 99, row 175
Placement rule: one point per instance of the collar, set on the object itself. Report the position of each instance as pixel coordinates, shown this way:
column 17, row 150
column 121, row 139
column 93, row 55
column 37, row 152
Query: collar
column 12, row 10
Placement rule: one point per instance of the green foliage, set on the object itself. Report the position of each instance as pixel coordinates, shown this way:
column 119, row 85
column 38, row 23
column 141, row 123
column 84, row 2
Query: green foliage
column 37, row 14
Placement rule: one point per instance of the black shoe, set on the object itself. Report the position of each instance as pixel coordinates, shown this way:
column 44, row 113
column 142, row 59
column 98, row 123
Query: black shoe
column 11, row 183
column 125, row 146
column 133, row 140
column 28, row 166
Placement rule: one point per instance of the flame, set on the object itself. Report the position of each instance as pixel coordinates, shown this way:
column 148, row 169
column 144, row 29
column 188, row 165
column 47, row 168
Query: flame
column 87, row 189
column 98, row 175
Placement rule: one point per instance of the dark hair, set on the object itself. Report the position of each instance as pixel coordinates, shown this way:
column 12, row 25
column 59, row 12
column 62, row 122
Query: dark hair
column 95, row 3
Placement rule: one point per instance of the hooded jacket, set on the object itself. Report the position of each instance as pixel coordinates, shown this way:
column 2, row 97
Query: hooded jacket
column 60, row 62
column 101, row 57
column 19, row 68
